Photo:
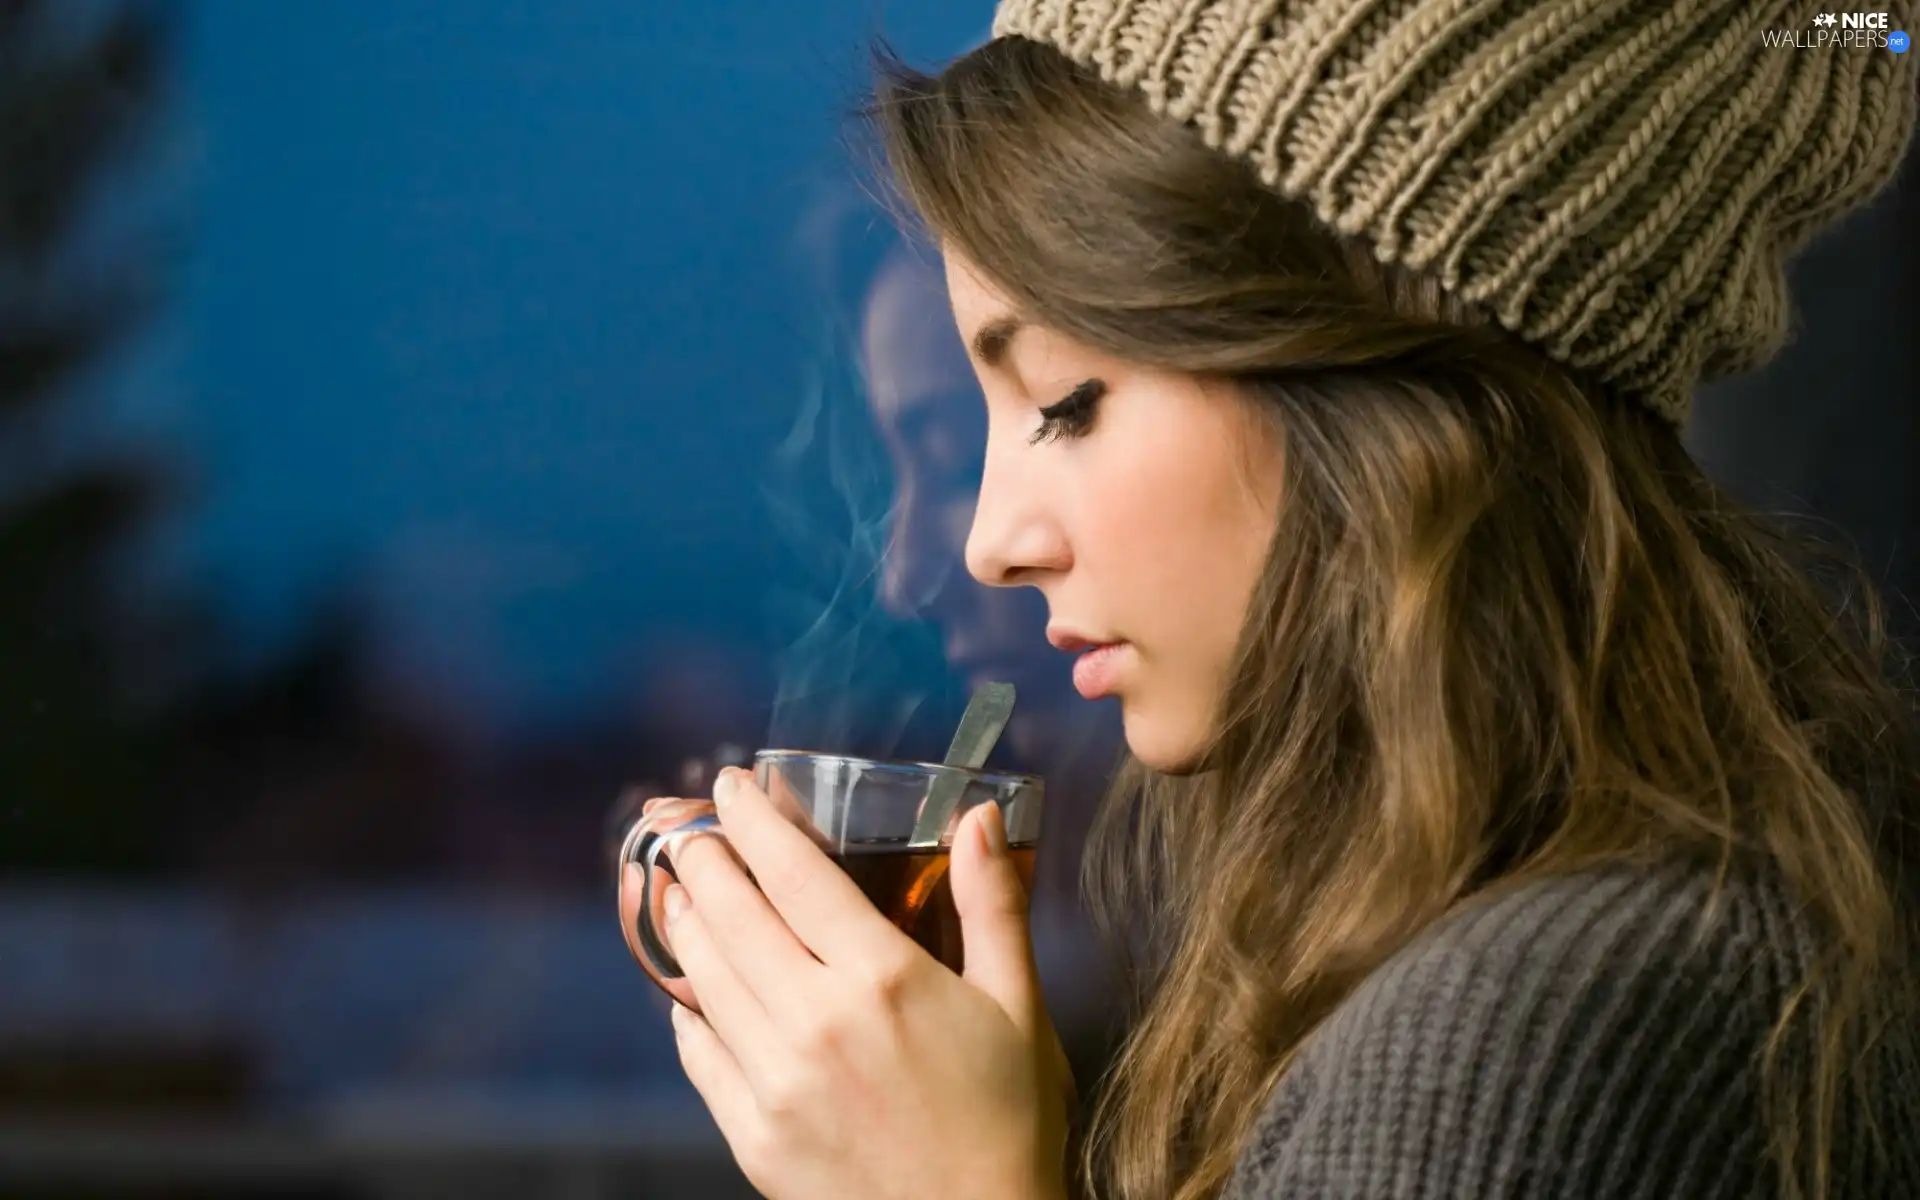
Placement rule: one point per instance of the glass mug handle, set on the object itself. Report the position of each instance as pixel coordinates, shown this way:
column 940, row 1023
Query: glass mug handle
column 650, row 851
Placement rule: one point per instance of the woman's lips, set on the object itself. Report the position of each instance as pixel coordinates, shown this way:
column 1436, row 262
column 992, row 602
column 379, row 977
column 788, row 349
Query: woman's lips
column 1096, row 671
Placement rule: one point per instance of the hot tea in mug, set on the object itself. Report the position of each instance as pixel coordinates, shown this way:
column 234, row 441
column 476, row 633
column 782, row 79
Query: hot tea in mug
column 868, row 816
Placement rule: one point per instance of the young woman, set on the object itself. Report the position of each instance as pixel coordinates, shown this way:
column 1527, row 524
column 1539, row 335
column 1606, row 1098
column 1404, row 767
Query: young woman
column 1507, row 815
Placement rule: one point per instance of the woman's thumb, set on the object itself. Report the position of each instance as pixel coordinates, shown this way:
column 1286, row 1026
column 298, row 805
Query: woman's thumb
column 992, row 902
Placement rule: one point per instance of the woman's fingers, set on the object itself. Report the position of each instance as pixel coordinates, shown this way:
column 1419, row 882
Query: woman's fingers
column 714, row 1072
column 727, row 1004
column 822, row 905
column 992, row 904
column 661, row 809
column 762, row 951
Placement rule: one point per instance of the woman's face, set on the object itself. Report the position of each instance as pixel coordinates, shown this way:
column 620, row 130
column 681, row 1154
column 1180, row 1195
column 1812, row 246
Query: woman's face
column 1141, row 503
column 926, row 403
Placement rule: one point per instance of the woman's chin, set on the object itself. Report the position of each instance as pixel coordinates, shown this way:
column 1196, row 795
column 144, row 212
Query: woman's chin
column 1166, row 746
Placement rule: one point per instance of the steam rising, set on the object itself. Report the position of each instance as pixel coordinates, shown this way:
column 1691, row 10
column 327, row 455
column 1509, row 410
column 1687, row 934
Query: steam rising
column 843, row 682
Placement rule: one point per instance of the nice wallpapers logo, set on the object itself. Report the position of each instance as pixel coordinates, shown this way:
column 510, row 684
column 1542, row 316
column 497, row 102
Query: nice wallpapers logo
column 1840, row 31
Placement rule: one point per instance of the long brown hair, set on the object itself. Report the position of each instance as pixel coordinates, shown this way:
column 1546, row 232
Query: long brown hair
column 1506, row 628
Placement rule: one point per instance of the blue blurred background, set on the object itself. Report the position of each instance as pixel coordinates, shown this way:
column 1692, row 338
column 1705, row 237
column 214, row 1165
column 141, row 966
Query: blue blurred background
column 423, row 425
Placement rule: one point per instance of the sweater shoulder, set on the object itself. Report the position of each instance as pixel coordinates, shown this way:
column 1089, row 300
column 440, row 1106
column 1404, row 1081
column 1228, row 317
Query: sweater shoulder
column 1593, row 1034
column 1588, row 958
column 1623, row 932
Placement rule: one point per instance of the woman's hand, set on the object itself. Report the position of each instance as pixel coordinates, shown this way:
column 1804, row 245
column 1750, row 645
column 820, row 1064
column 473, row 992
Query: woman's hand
column 840, row 1060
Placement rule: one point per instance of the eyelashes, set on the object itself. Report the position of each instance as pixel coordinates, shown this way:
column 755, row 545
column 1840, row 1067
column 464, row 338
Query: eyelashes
column 1072, row 415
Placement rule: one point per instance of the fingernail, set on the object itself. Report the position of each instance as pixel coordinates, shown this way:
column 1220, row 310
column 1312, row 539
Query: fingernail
column 723, row 787
column 679, row 1017
column 676, row 902
column 993, row 831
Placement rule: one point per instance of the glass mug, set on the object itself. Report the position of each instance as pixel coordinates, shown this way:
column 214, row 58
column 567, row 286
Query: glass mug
column 862, row 812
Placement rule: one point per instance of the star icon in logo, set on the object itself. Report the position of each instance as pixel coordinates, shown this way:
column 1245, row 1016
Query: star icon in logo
column 1824, row 19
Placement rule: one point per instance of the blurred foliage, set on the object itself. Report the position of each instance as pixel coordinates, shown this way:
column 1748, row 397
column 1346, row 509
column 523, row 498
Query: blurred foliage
column 76, row 104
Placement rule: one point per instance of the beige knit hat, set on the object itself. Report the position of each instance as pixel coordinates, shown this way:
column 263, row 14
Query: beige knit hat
column 1620, row 182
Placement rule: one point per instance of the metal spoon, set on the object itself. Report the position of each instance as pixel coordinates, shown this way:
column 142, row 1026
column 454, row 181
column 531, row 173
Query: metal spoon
column 980, row 728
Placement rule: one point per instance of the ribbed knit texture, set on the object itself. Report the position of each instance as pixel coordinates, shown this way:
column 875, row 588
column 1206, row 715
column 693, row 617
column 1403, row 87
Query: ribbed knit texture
column 1588, row 1036
column 1620, row 182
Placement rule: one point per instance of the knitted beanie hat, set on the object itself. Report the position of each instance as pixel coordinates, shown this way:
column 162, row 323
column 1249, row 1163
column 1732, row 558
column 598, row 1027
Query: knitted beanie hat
column 1620, row 182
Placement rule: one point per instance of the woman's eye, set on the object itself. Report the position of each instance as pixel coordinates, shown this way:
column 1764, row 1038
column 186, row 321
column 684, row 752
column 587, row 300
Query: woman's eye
column 1071, row 416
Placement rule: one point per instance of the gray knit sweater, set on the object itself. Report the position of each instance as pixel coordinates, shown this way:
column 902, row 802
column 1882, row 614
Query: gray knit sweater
column 1580, row 1037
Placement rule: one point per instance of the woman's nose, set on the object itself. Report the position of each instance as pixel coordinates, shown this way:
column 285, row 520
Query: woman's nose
column 1012, row 538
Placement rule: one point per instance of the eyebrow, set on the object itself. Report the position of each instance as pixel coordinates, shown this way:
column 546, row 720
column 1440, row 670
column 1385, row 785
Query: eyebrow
column 990, row 342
